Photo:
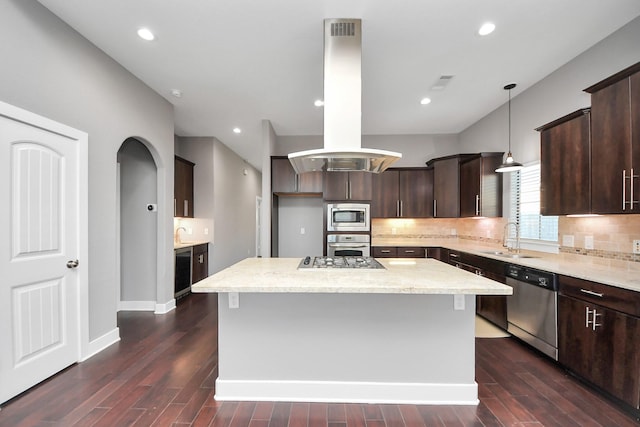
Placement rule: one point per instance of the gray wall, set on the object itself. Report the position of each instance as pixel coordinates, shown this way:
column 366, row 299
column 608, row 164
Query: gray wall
column 295, row 213
column 51, row 70
column 558, row 94
column 138, row 226
column 223, row 192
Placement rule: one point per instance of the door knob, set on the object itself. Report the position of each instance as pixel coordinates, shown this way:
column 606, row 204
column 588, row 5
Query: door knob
column 72, row 264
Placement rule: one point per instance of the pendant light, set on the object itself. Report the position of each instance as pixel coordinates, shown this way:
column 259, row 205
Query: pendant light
column 509, row 165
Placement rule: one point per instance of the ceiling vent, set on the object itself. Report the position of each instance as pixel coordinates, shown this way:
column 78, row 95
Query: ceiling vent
column 441, row 83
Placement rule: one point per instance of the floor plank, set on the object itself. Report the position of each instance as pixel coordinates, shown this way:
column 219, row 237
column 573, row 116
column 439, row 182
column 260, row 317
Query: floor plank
column 163, row 371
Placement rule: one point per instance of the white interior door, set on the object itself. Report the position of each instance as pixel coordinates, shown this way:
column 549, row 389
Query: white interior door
column 40, row 285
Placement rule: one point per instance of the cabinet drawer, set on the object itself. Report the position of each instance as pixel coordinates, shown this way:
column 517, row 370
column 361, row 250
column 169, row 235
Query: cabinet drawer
column 622, row 300
column 411, row 252
column 385, row 252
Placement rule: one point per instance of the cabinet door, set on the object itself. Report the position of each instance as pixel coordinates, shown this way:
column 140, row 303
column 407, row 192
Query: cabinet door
column 565, row 171
column 384, row 195
column 183, row 188
column 200, row 268
column 360, row 185
column 411, row 252
column 575, row 340
column 283, row 177
column 470, row 187
column 446, row 191
column 635, row 134
column 385, row 251
column 285, row 180
column 610, row 148
column 607, row 355
column 336, row 186
column 416, row 193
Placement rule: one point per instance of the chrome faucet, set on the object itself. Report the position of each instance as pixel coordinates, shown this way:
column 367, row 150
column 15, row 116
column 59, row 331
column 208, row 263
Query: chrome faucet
column 176, row 237
column 505, row 236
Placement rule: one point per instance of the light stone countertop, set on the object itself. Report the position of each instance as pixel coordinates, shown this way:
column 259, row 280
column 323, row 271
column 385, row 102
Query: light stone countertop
column 402, row 276
column 189, row 244
column 618, row 273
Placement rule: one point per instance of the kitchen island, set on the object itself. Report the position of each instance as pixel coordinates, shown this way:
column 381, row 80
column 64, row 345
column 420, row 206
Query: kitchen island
column 404, row 334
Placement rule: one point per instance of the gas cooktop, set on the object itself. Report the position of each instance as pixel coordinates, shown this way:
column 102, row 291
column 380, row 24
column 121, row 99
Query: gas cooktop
column 340, row 262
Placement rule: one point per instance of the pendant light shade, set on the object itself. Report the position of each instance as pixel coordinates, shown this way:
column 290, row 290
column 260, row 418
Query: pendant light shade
column 509, row 164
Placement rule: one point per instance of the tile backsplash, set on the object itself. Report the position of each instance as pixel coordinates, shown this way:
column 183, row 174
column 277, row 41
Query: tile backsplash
column 606, row 236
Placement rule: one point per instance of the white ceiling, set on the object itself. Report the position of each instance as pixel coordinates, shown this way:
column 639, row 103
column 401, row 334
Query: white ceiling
column 238, row 62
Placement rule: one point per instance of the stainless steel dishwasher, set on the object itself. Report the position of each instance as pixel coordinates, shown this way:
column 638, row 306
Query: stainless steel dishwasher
column 532, row 310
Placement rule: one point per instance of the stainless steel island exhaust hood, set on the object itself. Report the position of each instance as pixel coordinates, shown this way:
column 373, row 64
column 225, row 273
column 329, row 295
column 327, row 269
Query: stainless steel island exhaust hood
column 342, row 107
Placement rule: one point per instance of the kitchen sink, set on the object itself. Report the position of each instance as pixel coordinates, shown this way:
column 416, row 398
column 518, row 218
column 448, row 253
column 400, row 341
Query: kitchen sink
column 508, row 254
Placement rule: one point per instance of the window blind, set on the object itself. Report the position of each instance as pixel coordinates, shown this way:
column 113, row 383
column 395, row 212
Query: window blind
column 525, row 206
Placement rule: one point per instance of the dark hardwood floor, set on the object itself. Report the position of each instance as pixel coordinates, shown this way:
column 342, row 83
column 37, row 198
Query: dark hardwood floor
column 162, row 373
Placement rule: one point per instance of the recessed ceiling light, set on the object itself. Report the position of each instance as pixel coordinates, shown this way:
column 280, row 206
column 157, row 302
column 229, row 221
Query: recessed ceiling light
column 318, row 103
column 237, row 130
column 425, row 101
column 146, row 34
column 176, row 92
column 487, row 28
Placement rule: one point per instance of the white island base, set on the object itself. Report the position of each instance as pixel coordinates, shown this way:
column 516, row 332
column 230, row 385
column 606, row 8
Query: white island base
column 347, row 347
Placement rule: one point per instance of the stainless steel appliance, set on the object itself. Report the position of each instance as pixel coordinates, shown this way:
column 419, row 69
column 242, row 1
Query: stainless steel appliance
column 342, row 107
column 358, row 245
column 532, row 310
column 348, row 217
column 182, row 272
column 340, row 262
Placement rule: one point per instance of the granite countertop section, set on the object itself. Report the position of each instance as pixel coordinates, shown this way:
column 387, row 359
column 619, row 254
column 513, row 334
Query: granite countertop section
column 621, row 274
column 189, row 244
column 402, row 276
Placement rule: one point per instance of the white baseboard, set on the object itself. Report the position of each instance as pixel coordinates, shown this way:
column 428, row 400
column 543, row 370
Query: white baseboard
column 99, row 344
column 136, row 306
column 166, row 307
column 347, row 391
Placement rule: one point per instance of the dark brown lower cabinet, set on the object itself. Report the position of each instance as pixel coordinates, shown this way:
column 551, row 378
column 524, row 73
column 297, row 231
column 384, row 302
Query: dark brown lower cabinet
column 200, row 263
column 398, row 252
column 602, row 346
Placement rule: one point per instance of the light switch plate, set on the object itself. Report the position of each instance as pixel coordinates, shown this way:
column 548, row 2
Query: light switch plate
column 458, row 302
column 588, row 242
column 234, row 300
column 567, row 240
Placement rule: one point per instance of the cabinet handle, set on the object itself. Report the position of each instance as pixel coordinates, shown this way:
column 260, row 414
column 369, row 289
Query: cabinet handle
column 186, row 208
column 296, row 183
column 586, row 317
column 175, row 208
column 588, row 292
column 397, row 208
column 594, row 322
column 409, row 251
column 624, row 189
column 631, row 178
column 346, row 190
column 385, row 251
column 401, row 209
column 477, row 205
column 435, row 204
column 453, row 255
column 350, row 191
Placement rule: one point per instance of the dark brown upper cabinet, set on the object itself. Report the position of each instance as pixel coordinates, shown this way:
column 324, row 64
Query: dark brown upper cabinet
column 446, row 187
column 481, row 186
column 183, row 187
column 403, row 193
column 615, row 143
column 347, row 186
column 285, row 181
column 565, row 165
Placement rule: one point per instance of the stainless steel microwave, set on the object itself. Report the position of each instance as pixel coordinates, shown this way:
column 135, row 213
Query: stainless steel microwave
column 348, row 217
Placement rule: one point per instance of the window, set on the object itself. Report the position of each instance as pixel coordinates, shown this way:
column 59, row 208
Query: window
column 525, row 206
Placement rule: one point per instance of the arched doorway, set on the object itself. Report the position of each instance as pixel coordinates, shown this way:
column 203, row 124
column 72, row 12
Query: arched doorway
column 138, row 225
